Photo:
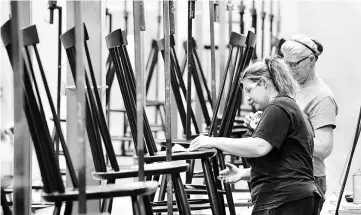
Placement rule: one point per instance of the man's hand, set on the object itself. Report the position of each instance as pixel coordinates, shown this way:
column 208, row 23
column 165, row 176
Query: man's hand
column 252, row 119
column 231, row 174
column 201, row 142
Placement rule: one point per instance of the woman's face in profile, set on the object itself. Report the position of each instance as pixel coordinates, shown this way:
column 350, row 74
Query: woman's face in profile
column 256, row 93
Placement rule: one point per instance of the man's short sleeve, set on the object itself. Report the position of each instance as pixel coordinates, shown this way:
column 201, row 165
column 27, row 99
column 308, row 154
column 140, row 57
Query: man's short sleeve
column 324, row 113
column 273, row 126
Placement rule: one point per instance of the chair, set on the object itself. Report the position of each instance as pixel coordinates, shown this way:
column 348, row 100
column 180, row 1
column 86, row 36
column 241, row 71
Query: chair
column 7, row 40
column 158, row 105
column 116, row 43
column 227, row 122
column 4, row 203
column 68, row 40
column 54, row 190
column 346, row 169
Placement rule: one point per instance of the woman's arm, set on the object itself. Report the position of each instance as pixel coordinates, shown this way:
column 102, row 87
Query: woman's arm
column 246, row 174
column 232, row 174
column 323, row 142
column 244, row 147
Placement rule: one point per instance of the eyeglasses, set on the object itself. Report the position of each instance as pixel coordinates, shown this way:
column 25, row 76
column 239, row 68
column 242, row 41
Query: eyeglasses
column 249, row 90
column 296, row 64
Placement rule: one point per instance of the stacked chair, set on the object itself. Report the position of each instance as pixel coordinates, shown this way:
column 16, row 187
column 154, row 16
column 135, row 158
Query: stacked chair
column 101, row 172
column 116, row 43
column 98, row 132
column 158, row 105
column 240, row 46
column 119, row 54
column 53, row 185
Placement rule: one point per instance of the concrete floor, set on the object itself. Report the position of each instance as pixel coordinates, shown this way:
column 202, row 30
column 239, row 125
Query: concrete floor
column 123, row 205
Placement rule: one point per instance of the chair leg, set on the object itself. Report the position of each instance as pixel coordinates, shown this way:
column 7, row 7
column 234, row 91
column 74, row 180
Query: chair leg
column 57, row 208
column 68, row 207
column 154, row 178
column 211, row 188
column 162, row 189
column 5, row 204
column 218, row 182
column 228, row 189
column 107, row 205
column 135, row 205
column 230, row 202
column 147, row 205
column 189, row 173
column 124, row 134
column 232, row 162
column 181, row 196
column 162, row 117
column 122, row 148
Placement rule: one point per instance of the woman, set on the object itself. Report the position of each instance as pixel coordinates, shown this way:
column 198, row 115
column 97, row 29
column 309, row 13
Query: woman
column 280, row 150
column 315, row 99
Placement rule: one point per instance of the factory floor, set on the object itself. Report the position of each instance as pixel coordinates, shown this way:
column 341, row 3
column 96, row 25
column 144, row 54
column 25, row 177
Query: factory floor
column 123, row 205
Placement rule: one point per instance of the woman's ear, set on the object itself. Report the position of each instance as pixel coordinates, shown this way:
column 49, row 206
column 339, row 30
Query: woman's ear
column 264, row 82
column 312, row 58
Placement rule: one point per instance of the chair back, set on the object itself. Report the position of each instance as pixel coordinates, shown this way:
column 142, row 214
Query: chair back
column 116, row 43
column 95, row 119
column 34, row 113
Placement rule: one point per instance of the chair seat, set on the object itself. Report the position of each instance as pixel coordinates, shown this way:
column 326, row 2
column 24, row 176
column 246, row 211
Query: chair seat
column 241, row 204
column 196, row 189
column 117, row 110
column 121, row 138
column 154, row 103
column 190, row 201
column 183, row 155
column 149, row 170
column 184, row 143
column 156, row 128
column 10, row 190
column 42, row 205
column 194, row 204
column 105, row 191
column 61, row 120
column 37, row 205
column 198, row 175
column 239, row 132
column 193, row 207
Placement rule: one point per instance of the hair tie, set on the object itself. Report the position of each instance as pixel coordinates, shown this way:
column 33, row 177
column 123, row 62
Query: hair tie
column 269, row 61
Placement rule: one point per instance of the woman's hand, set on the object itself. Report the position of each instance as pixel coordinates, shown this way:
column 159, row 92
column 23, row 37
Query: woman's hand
column 231, row 174
column 252, row 119
column 201, row 142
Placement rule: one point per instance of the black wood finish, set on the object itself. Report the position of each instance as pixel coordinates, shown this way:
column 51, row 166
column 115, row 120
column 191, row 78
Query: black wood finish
column 237, row 42
column 354, row 144
column 54, row 189
column 126, row 81
column 120, row 56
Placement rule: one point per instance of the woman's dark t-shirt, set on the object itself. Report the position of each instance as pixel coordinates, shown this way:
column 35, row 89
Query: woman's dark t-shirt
column 285, row 174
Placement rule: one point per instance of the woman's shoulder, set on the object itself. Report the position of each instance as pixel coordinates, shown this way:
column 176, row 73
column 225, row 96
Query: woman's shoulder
column 284, row 101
